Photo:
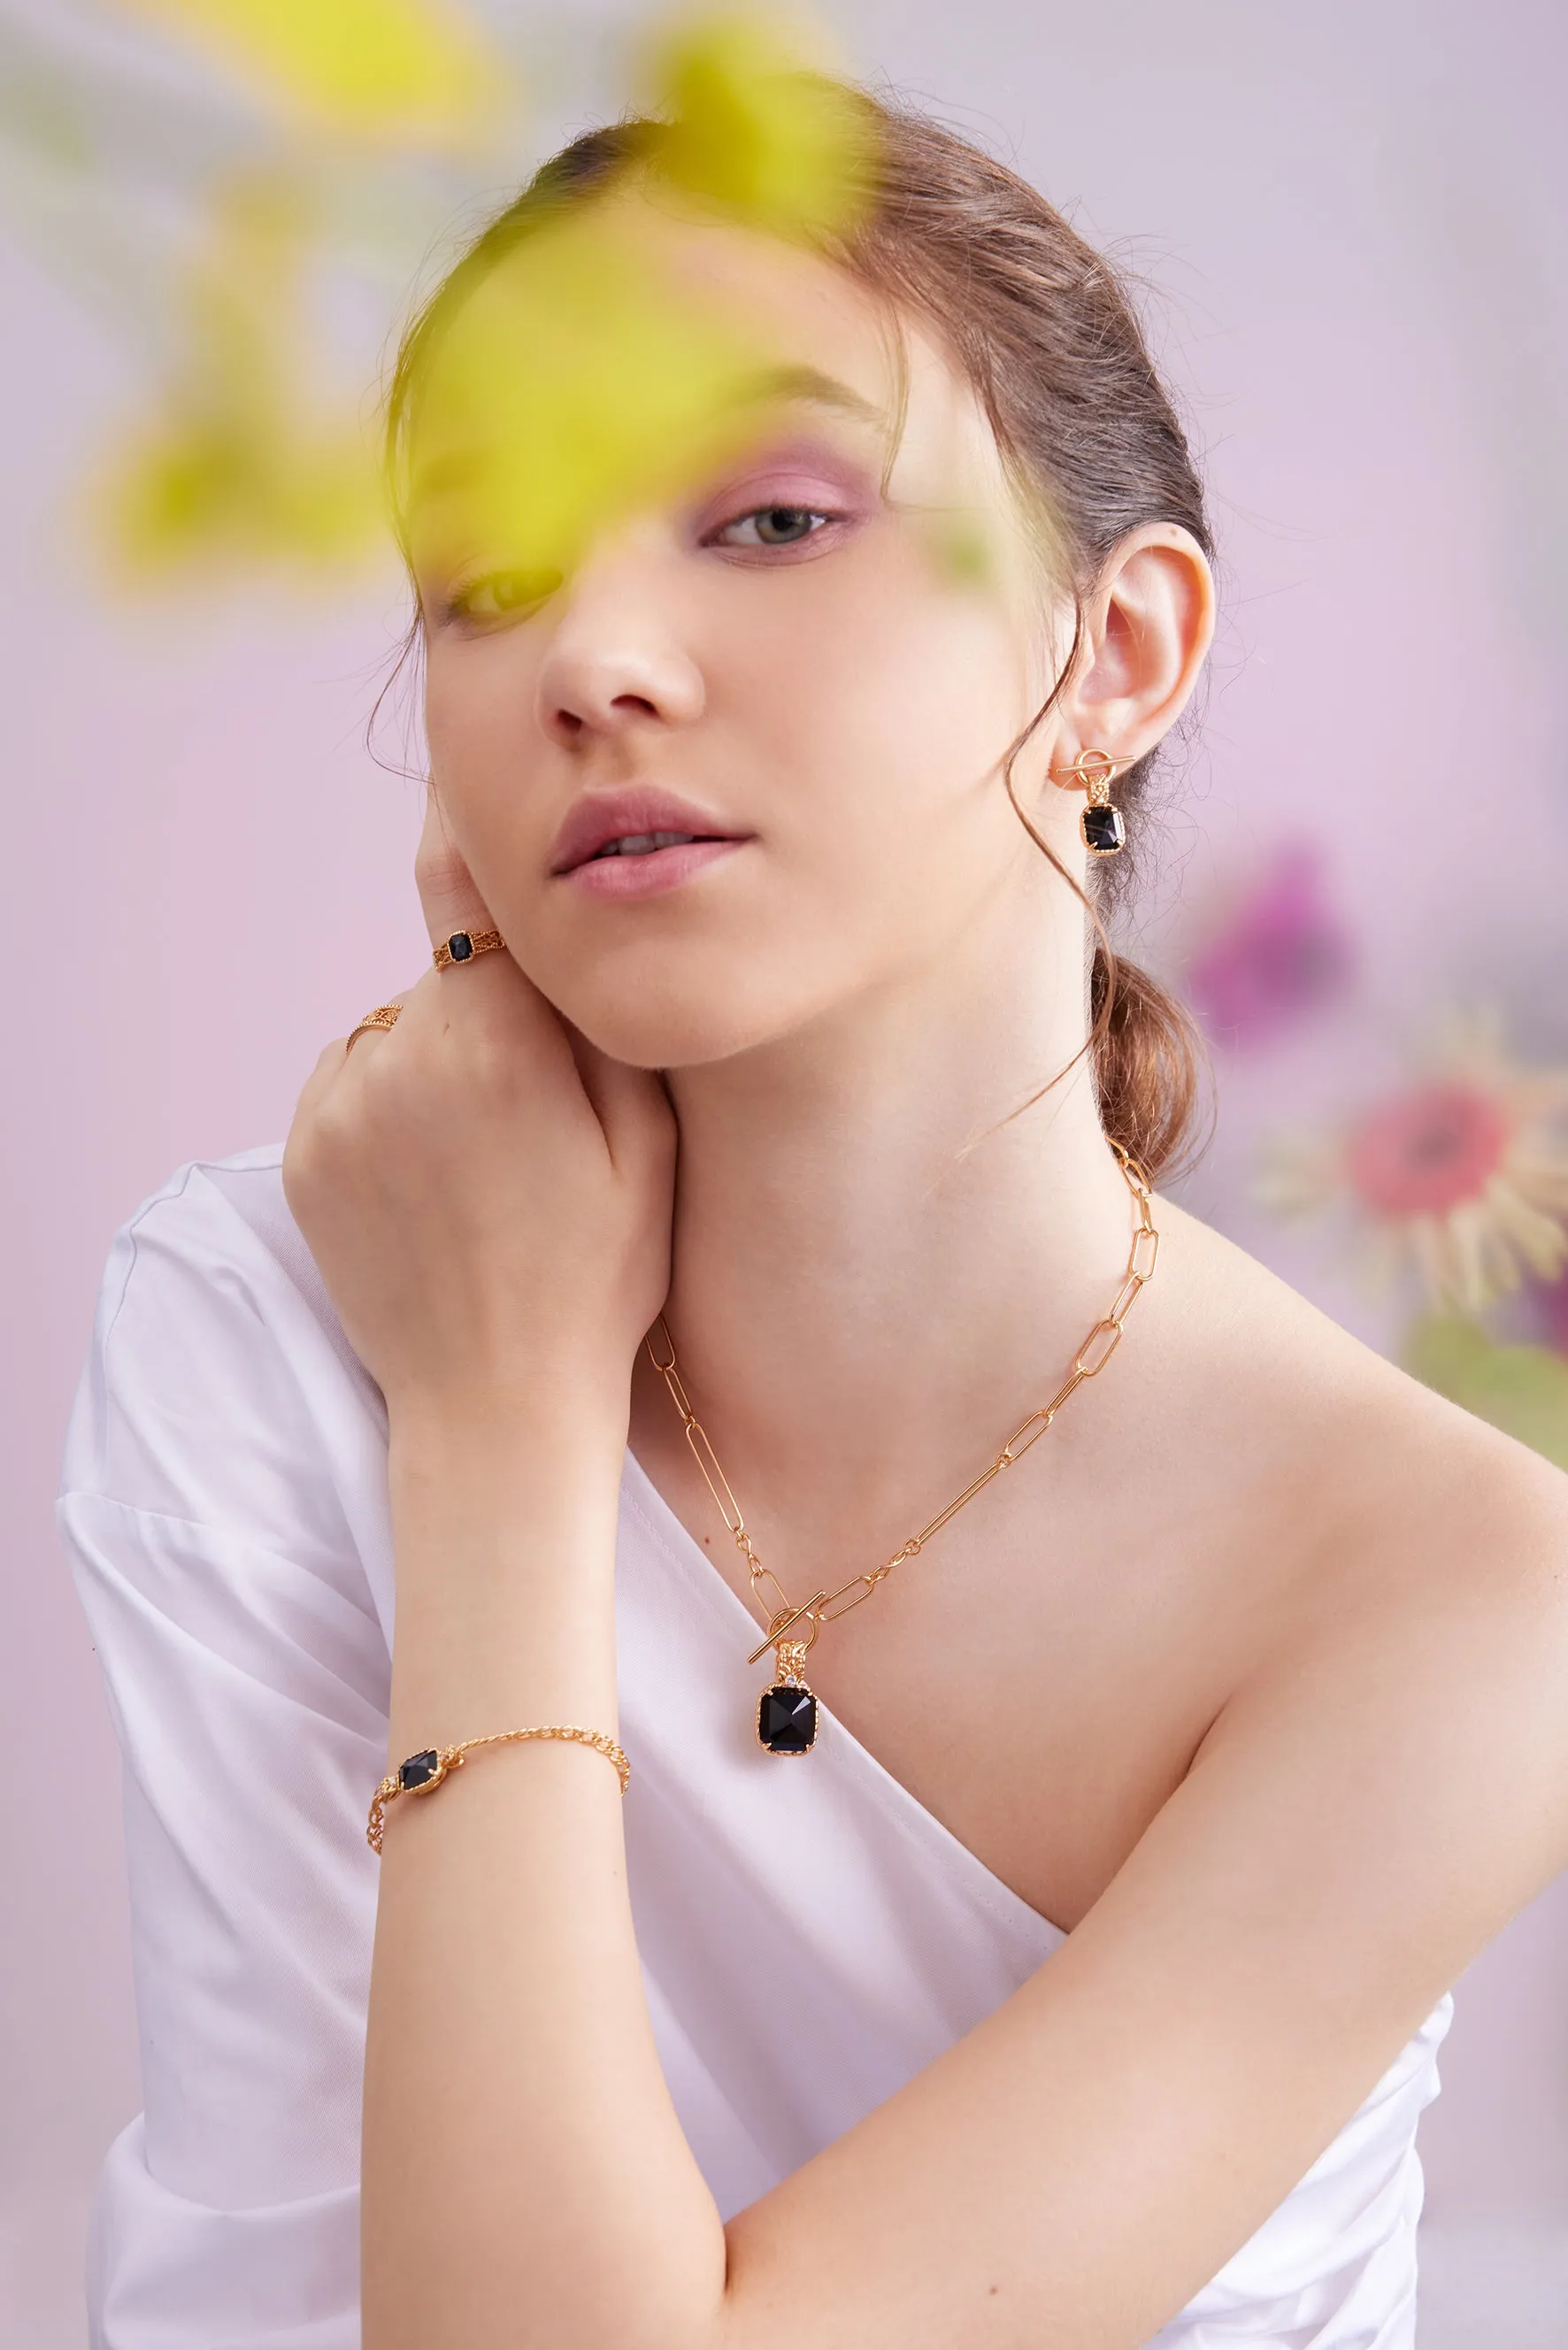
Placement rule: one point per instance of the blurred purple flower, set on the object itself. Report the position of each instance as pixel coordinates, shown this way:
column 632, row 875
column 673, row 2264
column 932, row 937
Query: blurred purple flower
column 1549, row 1312
column 1283, row 951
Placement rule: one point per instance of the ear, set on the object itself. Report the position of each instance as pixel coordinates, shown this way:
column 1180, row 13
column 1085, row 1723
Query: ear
column 1147, row 627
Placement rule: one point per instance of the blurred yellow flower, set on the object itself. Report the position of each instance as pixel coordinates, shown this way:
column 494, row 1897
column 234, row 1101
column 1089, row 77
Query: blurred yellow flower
column 755, row 130
column 412, row 70
column 248, row 458
column 1463, row 1173
column 577, row 378
column 573, row 383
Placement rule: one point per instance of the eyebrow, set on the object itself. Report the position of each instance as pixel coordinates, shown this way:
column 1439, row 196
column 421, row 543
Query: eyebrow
column 805, row 385
column 810, row 386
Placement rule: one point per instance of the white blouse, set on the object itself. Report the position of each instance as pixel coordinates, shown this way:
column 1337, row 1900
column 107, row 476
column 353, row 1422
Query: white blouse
column 810, row 1936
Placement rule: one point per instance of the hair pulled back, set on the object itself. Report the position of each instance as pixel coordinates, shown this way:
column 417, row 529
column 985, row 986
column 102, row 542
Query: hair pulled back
column 1042, row 327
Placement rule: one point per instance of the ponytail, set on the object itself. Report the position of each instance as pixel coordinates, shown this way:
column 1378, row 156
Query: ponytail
column 1147, row 1054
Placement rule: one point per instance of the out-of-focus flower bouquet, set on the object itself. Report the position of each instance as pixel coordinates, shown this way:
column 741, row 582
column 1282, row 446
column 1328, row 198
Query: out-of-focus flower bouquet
column 243, row 190
column 250, row 188
column 1448, row 1186
column 1459, row 1176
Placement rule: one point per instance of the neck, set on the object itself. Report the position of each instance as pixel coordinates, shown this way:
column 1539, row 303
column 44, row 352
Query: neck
column 875, row 1280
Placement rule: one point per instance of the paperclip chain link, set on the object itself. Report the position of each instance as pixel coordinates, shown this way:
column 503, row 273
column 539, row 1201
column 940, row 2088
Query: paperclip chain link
column 1090, row 1360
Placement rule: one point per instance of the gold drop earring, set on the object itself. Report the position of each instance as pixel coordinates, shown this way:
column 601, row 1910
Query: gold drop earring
column 1103, row 827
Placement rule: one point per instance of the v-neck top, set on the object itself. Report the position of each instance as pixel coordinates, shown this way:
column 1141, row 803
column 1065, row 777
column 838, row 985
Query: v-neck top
column 810, row 1935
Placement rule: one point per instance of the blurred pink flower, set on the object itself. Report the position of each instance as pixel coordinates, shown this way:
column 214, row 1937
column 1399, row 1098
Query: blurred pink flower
column 1427, row 1151
column 1281, row 952
column 1464, row 1172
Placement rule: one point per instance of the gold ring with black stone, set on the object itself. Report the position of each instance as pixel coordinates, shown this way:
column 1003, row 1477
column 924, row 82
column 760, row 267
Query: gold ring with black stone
column 463, row 945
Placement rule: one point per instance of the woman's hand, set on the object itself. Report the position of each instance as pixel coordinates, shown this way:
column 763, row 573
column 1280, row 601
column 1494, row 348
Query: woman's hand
column 486, row 1194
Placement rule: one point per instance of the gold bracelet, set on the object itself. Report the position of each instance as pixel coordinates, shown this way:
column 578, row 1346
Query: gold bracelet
column 422, row 1772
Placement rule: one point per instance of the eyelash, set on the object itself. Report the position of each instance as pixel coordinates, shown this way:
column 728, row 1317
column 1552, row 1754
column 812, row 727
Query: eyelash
column 817, row 514
column 457, row 607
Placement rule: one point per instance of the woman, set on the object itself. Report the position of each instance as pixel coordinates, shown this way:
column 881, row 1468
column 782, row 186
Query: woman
column 1079, row 1980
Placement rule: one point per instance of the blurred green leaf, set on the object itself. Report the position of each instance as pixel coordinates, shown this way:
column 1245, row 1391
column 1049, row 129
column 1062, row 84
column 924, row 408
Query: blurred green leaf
column 1522, row 1390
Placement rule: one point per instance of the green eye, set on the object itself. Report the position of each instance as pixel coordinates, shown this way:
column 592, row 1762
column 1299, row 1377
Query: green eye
column 773, row 527
column 503, row 595
column 778, row 526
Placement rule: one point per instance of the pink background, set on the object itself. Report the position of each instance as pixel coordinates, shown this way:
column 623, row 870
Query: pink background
column 1354, row 214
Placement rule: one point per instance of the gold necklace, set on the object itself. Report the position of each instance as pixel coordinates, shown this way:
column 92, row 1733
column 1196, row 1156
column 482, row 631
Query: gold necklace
column 786, row 1710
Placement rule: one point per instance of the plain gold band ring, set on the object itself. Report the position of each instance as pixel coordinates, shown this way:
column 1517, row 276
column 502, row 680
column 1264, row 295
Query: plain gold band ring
column 385, row 1015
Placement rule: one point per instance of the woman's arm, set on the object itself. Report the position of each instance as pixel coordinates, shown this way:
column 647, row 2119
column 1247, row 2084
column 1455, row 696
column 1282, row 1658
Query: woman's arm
column 1363, row 1817
column 561, row 2204
column 1365, row 1813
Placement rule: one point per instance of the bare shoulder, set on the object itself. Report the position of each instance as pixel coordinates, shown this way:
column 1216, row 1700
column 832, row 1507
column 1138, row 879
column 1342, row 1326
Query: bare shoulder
column 1396, row 1487
column 1407, row 1688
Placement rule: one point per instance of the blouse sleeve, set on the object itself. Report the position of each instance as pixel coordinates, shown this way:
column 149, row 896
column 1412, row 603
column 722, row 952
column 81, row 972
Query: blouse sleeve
column 223, row 1487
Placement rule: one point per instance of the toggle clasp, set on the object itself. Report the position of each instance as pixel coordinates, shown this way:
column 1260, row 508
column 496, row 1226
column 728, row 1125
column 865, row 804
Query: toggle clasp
column 780, row 1624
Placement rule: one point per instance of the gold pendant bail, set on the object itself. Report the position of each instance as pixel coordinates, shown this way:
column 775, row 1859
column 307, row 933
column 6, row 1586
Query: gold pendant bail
column 789, row 1662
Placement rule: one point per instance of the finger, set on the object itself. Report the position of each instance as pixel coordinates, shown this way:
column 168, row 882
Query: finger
column 448, row 893
column 374, row 1033
column 329, row 1061
column 312, row 1095
column 491, row 984
column 631, row 1105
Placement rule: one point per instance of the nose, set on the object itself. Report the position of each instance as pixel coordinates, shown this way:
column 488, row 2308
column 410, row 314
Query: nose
column 614, row 663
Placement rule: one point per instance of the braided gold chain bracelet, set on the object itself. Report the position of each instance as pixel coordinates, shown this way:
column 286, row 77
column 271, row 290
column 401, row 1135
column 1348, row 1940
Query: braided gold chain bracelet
column 424, row 1771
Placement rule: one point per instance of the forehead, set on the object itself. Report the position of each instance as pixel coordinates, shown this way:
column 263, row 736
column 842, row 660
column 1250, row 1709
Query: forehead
column 642, row 339
column 794, row 306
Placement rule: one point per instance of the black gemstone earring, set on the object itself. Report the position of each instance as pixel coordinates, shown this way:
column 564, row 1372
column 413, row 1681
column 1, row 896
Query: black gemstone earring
column 1103, row 827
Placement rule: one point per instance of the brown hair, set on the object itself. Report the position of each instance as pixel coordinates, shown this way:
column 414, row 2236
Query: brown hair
column 1045, row 330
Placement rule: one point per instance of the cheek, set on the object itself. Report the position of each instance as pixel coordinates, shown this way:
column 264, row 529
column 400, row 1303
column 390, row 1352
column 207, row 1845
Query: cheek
column 485, row 744
column 474, row 698
column 887, row 701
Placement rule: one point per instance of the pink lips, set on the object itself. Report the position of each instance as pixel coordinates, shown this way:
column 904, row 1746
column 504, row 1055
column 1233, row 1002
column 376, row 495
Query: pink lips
column 597, row 819
column 649, row 873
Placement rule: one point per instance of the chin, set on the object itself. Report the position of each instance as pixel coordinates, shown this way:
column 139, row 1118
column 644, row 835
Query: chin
column 666, row 1022
column 646, row 1038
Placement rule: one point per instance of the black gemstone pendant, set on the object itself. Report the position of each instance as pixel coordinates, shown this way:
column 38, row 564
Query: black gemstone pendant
column 787, row 1718
column 1102, row 829
column 419, row 1769
column 460, row 946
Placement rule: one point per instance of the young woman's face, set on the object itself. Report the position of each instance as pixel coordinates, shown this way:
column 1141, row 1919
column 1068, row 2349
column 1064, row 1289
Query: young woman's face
column 812, row 662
